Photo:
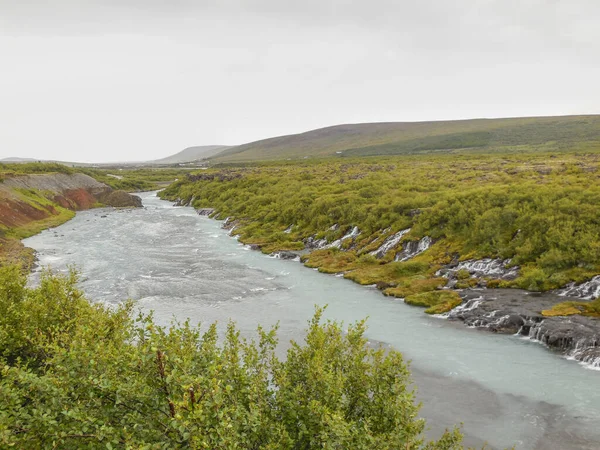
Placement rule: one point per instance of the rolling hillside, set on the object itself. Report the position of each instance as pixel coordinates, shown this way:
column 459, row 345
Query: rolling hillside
column 191, row 154
column 477, row 135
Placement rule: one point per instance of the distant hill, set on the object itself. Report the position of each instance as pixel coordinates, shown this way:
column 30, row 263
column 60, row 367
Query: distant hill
column 192, row 154
column 480, row 135
column 17, row 160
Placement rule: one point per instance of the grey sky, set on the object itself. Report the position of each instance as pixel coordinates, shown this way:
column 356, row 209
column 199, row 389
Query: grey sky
column 107, row 80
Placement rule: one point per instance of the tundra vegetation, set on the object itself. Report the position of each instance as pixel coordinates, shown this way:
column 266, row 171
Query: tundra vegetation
column 538, row 209
column 77, row 375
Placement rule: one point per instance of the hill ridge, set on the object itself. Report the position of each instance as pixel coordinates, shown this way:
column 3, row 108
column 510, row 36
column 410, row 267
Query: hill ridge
column 385, row 138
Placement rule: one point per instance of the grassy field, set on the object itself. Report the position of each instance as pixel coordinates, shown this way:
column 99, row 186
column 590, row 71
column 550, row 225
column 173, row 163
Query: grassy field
column 538, row 209
column 517, row 135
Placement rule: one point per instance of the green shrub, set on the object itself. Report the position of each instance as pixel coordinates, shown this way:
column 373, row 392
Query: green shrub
column 80, row 376
column 462, row 274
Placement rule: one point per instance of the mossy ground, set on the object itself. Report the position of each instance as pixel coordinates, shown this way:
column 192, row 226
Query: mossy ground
column 591, row 309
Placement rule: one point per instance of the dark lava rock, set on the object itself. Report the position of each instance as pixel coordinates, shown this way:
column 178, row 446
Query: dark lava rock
column 311, row 243
column 284, row 255
column 205, row 211
column 516, row 311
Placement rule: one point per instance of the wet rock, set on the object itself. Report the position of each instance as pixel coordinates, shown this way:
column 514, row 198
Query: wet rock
column 477, row 268
column 410, row 249
column 586, row 291
column 389, row 243
column 514, row 311
column 284, row 255
column 311, row 243
column 351, row 235
column 205, row 211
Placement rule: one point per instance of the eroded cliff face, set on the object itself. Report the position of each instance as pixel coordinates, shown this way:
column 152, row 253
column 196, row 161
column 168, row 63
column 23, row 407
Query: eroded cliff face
column 31, row 203
column 75, row 191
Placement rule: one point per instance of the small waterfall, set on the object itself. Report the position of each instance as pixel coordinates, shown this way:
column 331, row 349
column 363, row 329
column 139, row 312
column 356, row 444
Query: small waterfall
column 338, row 243
column 470, row 305
column 587, row 353
column 589, row 290
column 487, row 267
column 467, row 306
column 315, row 244
column 413, row 248
column 586, row 350
column 288, row 230
column 389, row 243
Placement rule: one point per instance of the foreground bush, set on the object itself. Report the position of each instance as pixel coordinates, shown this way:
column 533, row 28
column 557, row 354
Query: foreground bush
column 77, row 375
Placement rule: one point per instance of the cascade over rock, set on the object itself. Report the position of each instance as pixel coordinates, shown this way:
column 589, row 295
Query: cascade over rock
column 351, row 235
column 587, row 291
column 504, row 311
column 410, row 249
column 479, row 268
column 389, row 243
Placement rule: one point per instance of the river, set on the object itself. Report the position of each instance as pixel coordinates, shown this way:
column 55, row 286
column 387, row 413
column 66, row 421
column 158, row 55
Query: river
column 506, row 390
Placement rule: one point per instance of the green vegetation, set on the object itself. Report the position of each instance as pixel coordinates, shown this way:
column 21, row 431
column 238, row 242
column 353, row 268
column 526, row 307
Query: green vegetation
column 23, row 213
column 538, row 209
column 591, row 309
column 517, row 135
column 136, row 180
column 75, row 375
column 34, row 167
column 436, row 302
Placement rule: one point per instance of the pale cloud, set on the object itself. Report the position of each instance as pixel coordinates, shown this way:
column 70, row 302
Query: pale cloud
column 133, row 80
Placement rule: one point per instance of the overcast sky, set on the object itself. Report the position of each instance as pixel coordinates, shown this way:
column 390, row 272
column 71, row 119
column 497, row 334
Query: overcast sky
column 115, row 80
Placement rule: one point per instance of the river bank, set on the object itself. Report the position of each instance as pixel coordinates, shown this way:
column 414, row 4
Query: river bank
column 506, row 391
column 504, row 311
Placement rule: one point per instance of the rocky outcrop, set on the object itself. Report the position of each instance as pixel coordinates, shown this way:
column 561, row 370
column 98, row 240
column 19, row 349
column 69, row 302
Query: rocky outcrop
column 514, row 311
